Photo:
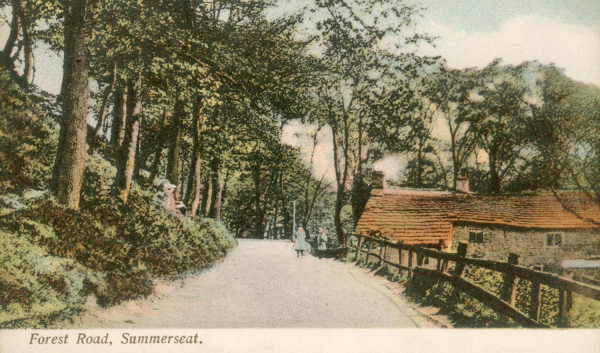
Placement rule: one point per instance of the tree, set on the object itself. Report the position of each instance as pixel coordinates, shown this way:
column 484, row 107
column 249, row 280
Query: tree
column 354, row 101
column 108, row 92
column 501, row 119
column 564, row 135
column 71, row 156
column 7, row 59
column 313, row 188
column 25, row 15
column 128, row 153
column 455, row 97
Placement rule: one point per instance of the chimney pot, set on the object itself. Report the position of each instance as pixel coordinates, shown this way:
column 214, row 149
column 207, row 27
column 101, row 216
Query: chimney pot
column 462, row 184
column 378, row 180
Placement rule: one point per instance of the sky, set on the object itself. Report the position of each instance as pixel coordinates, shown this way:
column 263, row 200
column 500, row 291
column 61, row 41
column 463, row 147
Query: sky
column 471, row 33
column 490, row 15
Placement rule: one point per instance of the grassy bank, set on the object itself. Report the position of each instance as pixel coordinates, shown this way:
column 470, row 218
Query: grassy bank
column 467, row 312
column 54, row 259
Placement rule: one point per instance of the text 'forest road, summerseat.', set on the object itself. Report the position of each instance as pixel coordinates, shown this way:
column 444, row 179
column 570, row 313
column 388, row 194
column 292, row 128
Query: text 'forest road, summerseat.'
column 262, row 284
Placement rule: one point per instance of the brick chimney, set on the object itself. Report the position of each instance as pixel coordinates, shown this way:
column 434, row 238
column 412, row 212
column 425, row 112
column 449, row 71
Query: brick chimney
column 462, row 184
column 378, row 180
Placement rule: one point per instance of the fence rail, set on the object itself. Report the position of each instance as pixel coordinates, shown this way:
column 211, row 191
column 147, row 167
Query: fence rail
column 418, row 264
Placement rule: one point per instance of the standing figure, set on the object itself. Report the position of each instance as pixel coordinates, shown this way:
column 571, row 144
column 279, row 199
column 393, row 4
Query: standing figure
column 321, row 242
column 301, row 244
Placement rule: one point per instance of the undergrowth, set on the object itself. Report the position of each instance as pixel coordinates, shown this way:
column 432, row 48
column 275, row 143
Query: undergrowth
column 54, row 259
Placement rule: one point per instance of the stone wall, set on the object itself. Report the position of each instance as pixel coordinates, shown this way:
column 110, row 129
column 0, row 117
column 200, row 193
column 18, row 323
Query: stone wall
column 530, row 244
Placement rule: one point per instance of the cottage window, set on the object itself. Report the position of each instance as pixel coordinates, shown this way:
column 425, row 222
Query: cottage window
column 554, row 240
column 476, row 236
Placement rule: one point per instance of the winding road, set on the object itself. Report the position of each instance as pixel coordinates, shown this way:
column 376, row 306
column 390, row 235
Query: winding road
column 261, row 284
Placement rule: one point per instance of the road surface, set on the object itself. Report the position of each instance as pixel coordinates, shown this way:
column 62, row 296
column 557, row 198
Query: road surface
column 261, row 284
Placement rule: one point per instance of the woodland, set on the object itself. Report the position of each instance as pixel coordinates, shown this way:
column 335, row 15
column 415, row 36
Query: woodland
column 199, row 93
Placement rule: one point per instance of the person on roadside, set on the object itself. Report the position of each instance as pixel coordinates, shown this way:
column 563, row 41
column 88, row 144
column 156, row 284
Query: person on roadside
column 166, row 197
column 301, row 245
column 321, row 242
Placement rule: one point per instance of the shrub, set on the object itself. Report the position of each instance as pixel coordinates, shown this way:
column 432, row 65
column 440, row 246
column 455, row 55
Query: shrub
column 52, row 257
column 28, row 140
column 35, row 284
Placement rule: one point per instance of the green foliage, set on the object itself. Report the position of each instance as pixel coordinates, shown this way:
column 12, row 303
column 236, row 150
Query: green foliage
column 462, row 309
column 127, row 246
column 585, row 312
column 53, row 257
column 28, row 140
column 36, row 284
column 465, row 311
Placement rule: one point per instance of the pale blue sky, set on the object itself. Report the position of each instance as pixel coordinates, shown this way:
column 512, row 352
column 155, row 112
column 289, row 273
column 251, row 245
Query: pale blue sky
column 489, row 15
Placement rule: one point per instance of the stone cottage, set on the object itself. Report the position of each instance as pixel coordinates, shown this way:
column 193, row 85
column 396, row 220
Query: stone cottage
column 543, row 228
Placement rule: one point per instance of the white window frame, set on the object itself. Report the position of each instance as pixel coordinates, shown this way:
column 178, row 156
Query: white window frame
column 478, row 236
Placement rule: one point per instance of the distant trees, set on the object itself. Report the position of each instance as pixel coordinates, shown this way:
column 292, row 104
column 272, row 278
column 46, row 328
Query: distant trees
column 354, row 99
column 510, row 128
column 564, row 134
column 455, row 96
column 500, row 119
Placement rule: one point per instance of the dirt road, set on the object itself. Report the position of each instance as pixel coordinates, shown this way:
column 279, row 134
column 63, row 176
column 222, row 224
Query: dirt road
column 261, row 284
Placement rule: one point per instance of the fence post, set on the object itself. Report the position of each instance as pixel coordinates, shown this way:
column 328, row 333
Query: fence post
column 420, row 258
column 369, row 252
column 564, row 309
column 399, row 245
column 381, row 253
column 410, row 263
column 439, row 259
column 462, row 252
column 536, row 293
column 511, row 281
column 358, row 247
column 565, row 303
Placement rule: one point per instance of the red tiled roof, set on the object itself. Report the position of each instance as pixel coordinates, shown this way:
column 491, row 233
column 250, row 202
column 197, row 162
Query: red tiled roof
column 417, row 217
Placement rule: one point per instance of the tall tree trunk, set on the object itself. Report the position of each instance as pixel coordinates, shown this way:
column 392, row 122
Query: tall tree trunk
column 214, row 186
column 419, row 181
column 71, row 157
column 257, row 207
column 206, row 196
column 141, row 158
column 287, row 227
column 15, row 28
column 358, row 187
column 195, row 182
column 119, row 117
column 214, row 192
column 126, row 160
column 176, row 131
column 341, row 174
column 98, row 130
column 494, row 187
column 218, row 199
column 454, row 170
column 276, row 234
column 28, row 44
column 154, row 170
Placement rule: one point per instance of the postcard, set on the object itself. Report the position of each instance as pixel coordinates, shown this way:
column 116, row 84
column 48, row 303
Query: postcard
column 310, row 175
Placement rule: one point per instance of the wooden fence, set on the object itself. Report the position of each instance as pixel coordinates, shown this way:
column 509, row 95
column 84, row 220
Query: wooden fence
column 418, row 263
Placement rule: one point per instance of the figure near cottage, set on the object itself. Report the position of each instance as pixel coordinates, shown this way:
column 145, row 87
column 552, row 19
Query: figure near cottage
column 321, row 242
column 301, row 245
